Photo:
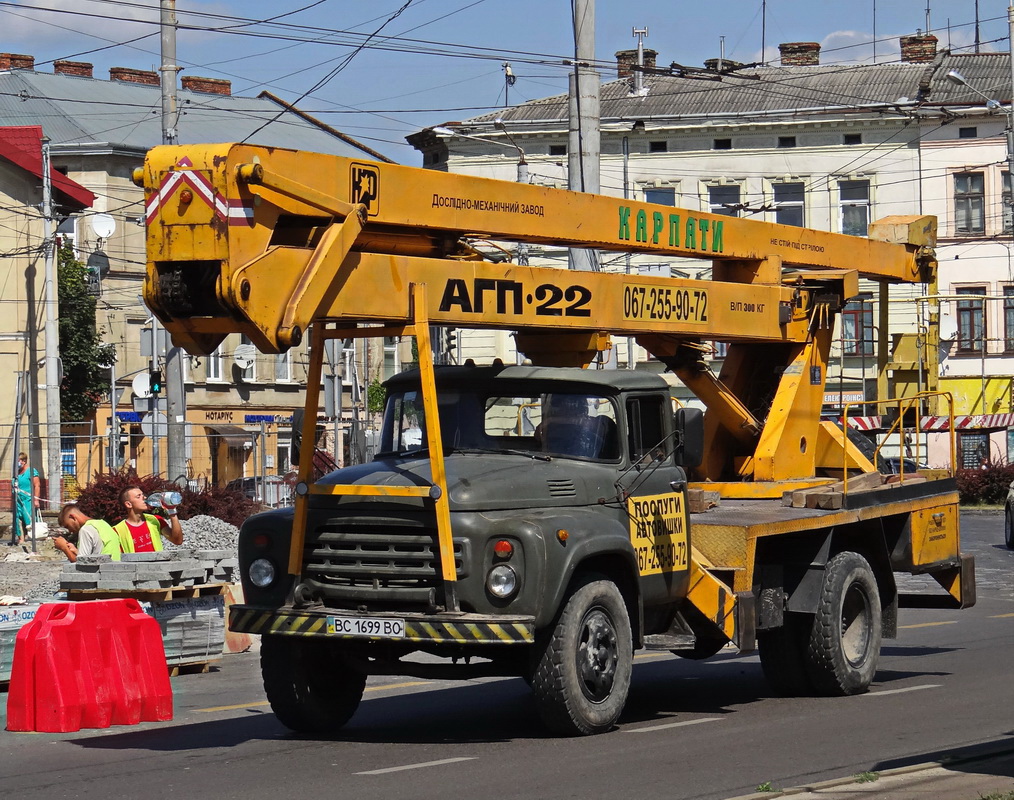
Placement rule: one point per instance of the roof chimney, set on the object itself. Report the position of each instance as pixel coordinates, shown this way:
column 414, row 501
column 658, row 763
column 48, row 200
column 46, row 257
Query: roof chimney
column 80, row 68
column 626, row 60
column 194, row 83
column 918, row 48
column 727, row 63
column 16, row 61
column 127, row 75
column 800, row 54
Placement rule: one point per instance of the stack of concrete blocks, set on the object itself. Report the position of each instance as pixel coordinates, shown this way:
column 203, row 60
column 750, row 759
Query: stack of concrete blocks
column 12, row 619
column 165, row 569
column 193, row 628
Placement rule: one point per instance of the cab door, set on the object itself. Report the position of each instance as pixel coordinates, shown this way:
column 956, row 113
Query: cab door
column 656, row 511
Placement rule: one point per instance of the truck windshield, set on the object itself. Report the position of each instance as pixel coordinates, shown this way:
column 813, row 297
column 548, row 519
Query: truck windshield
column 565, row 424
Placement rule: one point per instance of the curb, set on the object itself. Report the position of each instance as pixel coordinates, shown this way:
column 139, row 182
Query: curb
column 833, row 783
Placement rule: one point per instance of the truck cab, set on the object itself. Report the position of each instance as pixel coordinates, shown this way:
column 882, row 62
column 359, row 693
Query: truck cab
column 553, row 476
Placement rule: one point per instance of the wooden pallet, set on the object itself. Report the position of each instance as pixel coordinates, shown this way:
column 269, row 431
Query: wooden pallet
column 151, row 595
column 192, row 667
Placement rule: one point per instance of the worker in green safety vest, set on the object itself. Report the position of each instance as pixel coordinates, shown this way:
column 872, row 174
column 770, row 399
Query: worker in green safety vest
column 89, row 537
column 141, row 532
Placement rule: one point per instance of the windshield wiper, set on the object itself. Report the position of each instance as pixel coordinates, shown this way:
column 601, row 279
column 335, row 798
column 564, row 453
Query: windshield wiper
column 504, row 451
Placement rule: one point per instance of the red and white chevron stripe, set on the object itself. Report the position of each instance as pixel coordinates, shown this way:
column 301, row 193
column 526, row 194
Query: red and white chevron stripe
column 234, row 212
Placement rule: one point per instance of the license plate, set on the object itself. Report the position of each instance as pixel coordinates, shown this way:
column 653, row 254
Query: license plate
column 367, row 627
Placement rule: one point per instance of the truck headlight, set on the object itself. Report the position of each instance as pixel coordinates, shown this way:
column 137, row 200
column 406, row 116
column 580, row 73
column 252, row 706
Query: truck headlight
column 261, row 573
column 502, row 581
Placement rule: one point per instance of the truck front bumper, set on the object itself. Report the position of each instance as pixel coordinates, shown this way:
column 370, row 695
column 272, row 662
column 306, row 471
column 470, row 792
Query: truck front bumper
column 426, row 628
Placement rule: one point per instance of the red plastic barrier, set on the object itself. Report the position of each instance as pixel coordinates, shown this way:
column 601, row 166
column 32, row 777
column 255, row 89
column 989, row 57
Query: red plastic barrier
column 88, row 664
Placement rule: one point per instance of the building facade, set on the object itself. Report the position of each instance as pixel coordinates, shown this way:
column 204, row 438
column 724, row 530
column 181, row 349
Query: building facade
column 826, row 146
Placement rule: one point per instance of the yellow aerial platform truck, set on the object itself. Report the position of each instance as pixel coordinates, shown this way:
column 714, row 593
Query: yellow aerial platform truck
column 546, row 520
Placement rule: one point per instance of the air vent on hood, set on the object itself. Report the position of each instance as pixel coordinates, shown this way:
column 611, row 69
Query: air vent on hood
column 562, row 488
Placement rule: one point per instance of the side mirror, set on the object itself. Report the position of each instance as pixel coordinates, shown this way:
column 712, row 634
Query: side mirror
column 296, row 437
column 690, row 436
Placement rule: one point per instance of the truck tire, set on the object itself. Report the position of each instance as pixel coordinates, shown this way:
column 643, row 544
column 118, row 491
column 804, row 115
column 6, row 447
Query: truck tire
column 1008, row 528
column 309, row 687
column 844, row 642
column 783, row 656
column 582, row 674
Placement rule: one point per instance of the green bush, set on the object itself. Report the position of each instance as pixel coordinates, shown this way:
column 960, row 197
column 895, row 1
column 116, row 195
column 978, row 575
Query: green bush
column 99, row 498
column 987, row 485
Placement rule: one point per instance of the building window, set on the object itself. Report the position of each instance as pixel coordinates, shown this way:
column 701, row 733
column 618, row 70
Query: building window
column 724, row 199
column 1008, row 319
column 969, row 205
column 789, row 199
column 557, row 149
column 391, row 365
column 662, row 197
column 973, row 450
column 66, row 233
column 857, row 329
column 854, row 197
column 852, row 138
column 213, row 365
column 970, row 319
column 721, row 144
column 283, row 366
column 786, row 141
column 968, row 133
column 1008, row 217
column 658, row 147
column 719, row 349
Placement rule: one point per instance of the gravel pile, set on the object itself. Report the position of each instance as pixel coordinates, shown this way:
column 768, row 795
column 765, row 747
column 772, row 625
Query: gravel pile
column 207, row 533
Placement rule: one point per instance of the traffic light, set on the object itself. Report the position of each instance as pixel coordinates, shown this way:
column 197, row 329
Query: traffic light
column 155, row 381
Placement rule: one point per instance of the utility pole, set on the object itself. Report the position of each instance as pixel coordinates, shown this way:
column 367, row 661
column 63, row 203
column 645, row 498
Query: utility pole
column 176, row 397
column 584, row 140
column 52, row 471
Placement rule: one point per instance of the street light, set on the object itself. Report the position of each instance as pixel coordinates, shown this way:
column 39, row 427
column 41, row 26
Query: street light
column 440, row 130
column 522, row 247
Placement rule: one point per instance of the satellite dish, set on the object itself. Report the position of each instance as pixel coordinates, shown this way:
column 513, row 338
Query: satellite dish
column 243, row 356
column 141, row 385
column 154, row 424
column 102, row 225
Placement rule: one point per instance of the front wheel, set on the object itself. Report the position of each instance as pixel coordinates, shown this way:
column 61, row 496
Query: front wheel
column 1008, row 528
column 309, row 686
column 582, row 674
column 844, row 642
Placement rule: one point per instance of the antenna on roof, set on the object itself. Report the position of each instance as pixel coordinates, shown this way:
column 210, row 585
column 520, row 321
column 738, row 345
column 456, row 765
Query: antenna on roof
column 928, row 29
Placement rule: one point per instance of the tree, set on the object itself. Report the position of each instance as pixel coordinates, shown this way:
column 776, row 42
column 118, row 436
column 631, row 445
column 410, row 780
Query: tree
column 85, row 358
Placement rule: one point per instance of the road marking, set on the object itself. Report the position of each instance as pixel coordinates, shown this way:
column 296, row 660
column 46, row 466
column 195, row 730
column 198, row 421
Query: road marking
column 1001, row 616
column 672, row 725
column 906, row 689
column 651, row 655
column 265, row 702
column 930, row 624
column 415, row 766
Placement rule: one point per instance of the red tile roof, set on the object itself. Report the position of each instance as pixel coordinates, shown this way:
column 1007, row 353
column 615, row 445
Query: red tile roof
column 22, row 146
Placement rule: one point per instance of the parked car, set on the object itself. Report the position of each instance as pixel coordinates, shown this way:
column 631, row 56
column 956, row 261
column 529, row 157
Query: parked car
column 891, row 465
column 272, row 490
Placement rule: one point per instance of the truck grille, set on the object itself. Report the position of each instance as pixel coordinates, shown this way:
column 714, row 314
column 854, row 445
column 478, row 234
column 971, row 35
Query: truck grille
column 385, row 560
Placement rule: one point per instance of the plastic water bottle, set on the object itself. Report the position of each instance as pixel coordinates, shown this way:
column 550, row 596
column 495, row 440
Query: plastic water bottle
column 166, row 500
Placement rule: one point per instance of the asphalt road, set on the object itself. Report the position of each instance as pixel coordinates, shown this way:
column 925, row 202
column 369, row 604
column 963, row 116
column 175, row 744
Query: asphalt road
column 691, row 729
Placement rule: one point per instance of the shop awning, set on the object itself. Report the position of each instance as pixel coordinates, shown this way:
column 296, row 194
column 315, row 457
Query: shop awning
column 234, row 435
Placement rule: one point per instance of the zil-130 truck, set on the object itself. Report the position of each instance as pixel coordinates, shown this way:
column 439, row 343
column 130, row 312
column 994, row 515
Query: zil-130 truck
column 547, row 520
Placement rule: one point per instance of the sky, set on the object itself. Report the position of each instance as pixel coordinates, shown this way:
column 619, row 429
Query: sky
column 383, row 69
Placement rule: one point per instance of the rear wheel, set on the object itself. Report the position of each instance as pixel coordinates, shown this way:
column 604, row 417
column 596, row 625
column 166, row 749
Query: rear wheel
column 309, row 686
column 844, row 644
column 783, row 656
column 1008, row 528
column 582, row 674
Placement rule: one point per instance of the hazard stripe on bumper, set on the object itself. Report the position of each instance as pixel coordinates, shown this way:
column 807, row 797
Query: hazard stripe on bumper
column 470, row 629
